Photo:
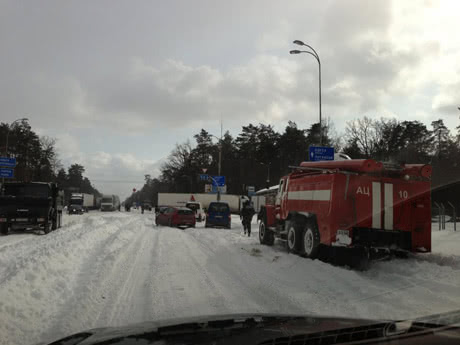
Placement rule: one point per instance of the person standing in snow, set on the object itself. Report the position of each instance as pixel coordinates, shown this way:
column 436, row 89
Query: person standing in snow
column 246, row 216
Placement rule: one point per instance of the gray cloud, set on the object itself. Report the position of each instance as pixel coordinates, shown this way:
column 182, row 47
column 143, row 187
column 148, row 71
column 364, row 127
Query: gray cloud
column 172, row 68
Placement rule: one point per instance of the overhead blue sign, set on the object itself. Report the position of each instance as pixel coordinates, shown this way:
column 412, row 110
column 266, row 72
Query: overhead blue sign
column 320, row 153
column 6, row 173
column 218, row 181
column 7, row 162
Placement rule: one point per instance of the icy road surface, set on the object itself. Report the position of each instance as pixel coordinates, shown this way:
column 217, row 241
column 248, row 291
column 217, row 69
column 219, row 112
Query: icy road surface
column 110, row 269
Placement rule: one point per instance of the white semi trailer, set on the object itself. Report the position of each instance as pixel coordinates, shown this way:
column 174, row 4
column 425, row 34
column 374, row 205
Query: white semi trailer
column 110, row 202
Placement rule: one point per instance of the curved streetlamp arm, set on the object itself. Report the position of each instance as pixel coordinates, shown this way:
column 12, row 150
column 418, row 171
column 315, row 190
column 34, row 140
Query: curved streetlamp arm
column 301, row 43
column 315, row 56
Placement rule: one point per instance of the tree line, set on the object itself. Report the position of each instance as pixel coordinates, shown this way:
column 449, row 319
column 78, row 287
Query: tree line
column 258, row 156
column 38, row 160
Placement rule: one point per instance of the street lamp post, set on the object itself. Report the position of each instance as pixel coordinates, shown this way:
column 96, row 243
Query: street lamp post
column 6, row 146
column 316, row 56
column 219, row 167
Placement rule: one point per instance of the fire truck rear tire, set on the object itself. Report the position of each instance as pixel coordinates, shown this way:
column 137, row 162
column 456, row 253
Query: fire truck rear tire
column 47, row 227
column 55, row 222
column 310, row 241
column 266, row 236
column 4, row 229
column 293, row 239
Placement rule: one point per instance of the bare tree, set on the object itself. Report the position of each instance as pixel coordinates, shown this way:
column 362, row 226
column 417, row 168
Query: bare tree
column 364, row 133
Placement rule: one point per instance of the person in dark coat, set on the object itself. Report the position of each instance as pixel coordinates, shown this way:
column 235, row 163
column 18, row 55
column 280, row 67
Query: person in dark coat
column 246, row 216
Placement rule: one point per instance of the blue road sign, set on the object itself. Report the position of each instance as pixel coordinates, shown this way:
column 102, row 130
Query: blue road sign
column 319, row 153
column 7, row 162
column 204, row 177
column 215, row 189
column 218, row 181
column 6, row 173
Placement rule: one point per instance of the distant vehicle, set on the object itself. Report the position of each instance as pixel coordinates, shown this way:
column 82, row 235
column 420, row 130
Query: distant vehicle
column 235, row 202
column 80, row 203
column 341, row 157
column 260, row 198
column 160, row 209
column 110, row 203
column 196, row 207
column 176, row 217
column 33, row 205
column 147, row 205
column 218, row 215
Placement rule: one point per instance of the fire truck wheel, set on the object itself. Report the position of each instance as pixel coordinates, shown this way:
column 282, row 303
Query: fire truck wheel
column 55, row 222
column 47, row 227
column 265, row 236
column 4, row 229
column 310, row 241
column 293, row 238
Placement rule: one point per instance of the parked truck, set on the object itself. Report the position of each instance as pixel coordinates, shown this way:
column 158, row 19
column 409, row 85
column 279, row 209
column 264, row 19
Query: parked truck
column 31, row 206
column 362, row 207
column 261, row 197
column 81, row 202
column 180, row 199
column 110, row 202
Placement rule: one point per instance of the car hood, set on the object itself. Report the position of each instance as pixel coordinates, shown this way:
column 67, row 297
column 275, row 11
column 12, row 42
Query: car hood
column 261, row 329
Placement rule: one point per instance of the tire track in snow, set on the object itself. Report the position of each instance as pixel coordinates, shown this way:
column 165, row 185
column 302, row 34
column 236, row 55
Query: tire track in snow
column 237, row 269
column 130, row 300
column 84, row 301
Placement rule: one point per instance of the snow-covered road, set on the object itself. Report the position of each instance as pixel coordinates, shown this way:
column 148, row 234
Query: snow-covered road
column 109, row 269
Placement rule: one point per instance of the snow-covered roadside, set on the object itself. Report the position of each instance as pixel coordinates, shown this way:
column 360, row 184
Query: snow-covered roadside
column 109, row 269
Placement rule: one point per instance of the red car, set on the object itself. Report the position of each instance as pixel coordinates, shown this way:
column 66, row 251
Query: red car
column 176, row 217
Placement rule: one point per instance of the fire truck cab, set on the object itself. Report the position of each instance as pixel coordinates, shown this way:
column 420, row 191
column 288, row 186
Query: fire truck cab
column 360, row 204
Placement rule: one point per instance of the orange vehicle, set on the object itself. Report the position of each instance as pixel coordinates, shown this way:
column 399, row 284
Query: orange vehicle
column 357, row 204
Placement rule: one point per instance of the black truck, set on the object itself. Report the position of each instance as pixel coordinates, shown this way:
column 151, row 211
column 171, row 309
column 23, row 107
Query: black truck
column 31, row 205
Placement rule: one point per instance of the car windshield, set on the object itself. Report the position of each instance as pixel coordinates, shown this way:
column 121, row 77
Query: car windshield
column 218, row 208
column 165, row 160
column 185, row 212
column 34, row 190
column 193, row 207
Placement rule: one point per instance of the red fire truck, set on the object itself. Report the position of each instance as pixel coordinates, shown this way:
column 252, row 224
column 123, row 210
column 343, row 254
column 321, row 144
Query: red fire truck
column 364, row 205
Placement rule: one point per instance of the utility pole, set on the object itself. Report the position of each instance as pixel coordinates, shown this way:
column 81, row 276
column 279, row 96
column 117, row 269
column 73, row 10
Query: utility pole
column 219, row 166
column 220, row 158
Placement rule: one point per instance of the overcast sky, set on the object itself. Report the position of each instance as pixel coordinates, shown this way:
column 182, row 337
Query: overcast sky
column 118, row 83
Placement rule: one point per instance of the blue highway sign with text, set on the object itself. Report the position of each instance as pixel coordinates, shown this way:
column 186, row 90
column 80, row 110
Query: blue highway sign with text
column 6, row 173
column 7, row 162
column 320, row 153
column 218, row 181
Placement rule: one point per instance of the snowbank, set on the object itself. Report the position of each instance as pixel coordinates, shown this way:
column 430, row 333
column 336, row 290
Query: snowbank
column 110, row 269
